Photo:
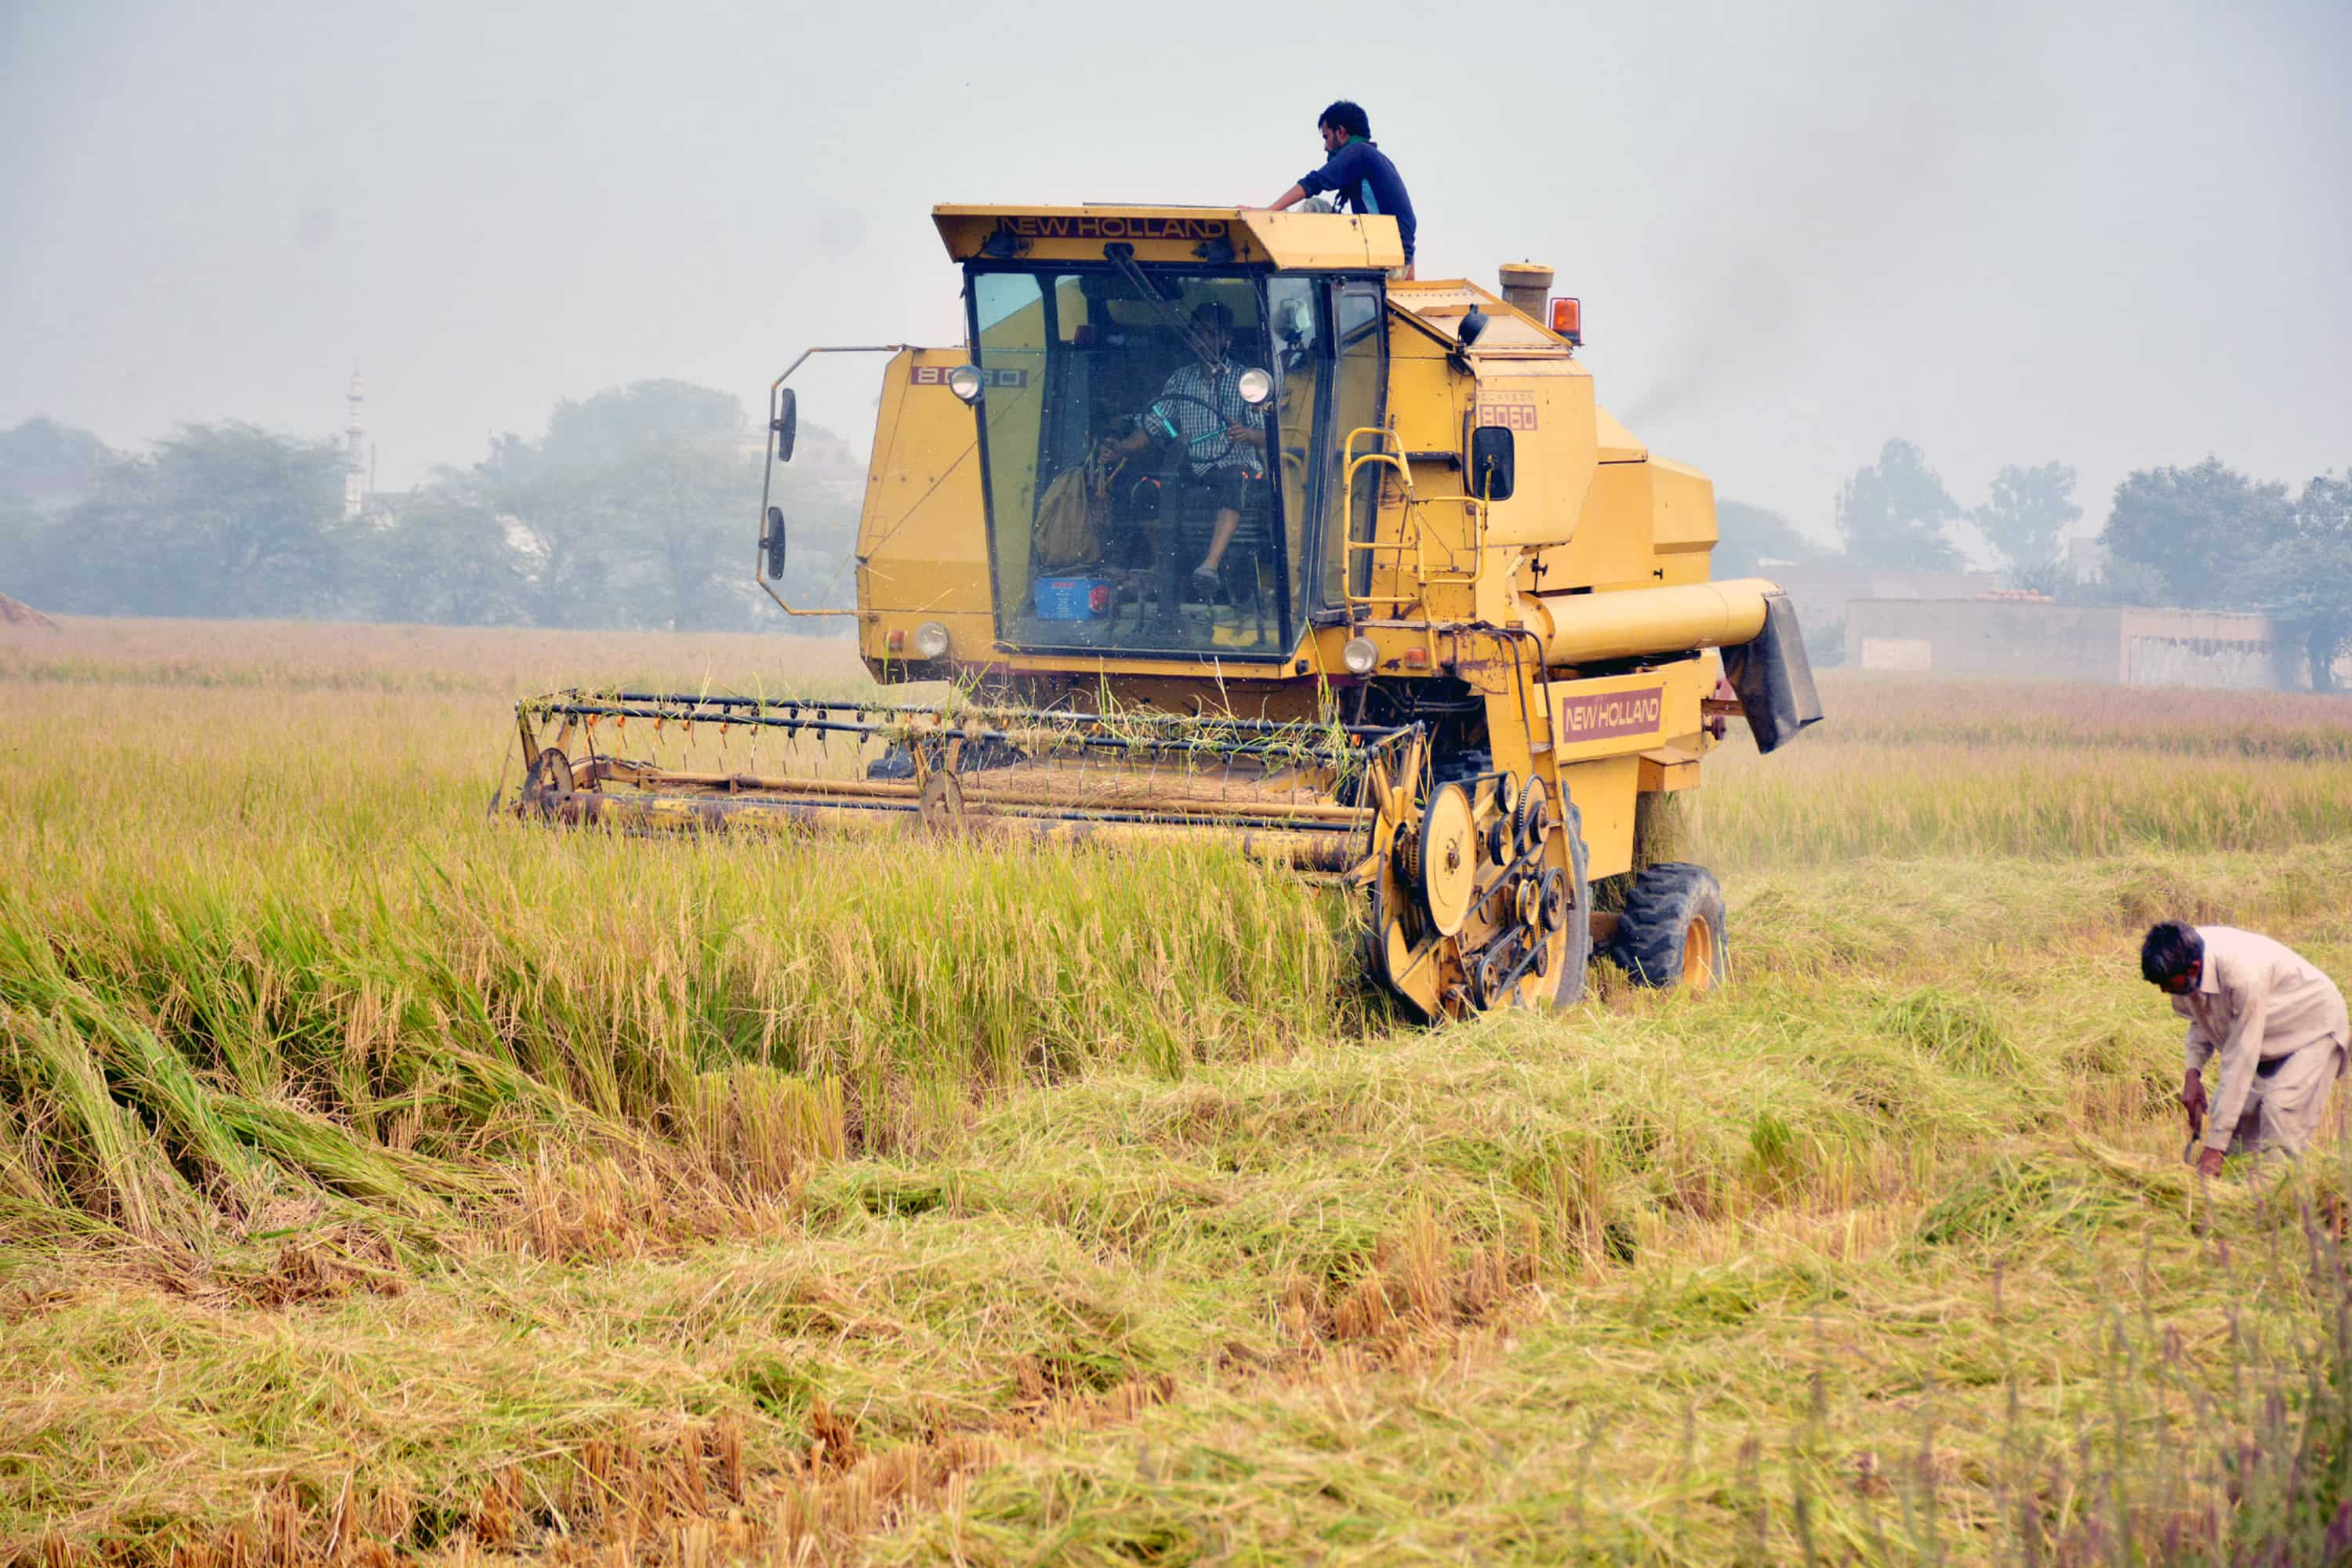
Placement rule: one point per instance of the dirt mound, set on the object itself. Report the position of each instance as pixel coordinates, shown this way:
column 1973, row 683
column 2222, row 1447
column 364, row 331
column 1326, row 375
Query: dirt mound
column 12, row 614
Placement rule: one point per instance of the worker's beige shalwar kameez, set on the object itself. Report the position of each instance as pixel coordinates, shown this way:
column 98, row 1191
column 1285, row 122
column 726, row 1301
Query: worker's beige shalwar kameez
column 2278, row 1026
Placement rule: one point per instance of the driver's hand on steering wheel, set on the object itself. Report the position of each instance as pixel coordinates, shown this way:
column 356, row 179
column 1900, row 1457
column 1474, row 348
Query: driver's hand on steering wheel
column 1247, row 435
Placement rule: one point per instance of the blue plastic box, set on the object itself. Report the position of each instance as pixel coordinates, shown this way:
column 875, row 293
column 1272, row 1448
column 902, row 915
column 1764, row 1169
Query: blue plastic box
column 1072, row 598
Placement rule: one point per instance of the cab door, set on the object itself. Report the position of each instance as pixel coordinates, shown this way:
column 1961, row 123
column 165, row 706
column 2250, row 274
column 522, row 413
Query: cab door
column 1359, row 402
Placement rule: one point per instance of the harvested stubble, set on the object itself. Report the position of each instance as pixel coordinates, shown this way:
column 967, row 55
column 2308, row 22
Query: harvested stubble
column 380, row 1176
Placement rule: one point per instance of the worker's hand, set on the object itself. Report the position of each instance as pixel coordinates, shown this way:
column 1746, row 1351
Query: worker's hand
column 2209, row 1162
column 1247, row 435
column 2192, row 1095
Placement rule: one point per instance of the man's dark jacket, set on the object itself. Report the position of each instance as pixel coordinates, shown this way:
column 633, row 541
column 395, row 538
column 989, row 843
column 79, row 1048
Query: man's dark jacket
column 1365, row 182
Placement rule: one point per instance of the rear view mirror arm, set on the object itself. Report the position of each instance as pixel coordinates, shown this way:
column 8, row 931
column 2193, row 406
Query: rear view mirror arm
column 772, row 518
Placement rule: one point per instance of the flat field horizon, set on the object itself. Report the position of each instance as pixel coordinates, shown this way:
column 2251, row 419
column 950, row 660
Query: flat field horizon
column 381, row 1177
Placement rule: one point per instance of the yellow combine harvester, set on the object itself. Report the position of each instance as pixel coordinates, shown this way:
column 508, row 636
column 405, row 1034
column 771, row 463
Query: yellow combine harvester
column 1218, row 530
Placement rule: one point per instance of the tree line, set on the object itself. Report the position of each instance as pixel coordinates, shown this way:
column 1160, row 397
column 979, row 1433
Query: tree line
column 2200, row 537
column 638, row 507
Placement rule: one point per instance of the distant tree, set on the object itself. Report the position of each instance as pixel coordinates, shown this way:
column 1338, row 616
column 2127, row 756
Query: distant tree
column 444, row 557
column 700, row 506
column 674, row 522
column 640, row 505
column 222, row 519
column 1892, row 514
column 254, row 520
column 568, row 550
column 613, row 424
column 2197, row 529
column 623, row 506
column 2302, row 579
column 45, row 465
column 2027, row 513
column 44, row 468
column 24, row 550
column 2054, row 578
column 2123, row 583
column 1752, row 536
column 637, row 508
column 646, row 540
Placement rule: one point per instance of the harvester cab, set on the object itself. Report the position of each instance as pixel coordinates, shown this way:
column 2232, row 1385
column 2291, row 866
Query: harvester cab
column 1219, row 532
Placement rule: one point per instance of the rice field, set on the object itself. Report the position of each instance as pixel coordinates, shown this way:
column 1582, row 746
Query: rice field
column 380, row 1179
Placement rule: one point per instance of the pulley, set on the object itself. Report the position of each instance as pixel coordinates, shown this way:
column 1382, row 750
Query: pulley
column 1447, row 858
column 1534, row 817
column 1491, row 976
column 1552, row 905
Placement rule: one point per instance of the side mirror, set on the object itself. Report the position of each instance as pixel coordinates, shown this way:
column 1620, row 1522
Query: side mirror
column 772, row 540
column 786, row 425
column 1494, row 462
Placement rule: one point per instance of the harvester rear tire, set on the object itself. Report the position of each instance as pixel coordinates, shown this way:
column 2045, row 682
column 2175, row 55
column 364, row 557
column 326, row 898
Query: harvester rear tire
column 1672, row 932
column 1570, row 990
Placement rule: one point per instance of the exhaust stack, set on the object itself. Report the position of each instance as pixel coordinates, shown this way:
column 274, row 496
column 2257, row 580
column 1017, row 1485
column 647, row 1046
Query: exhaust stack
column 1526, row 284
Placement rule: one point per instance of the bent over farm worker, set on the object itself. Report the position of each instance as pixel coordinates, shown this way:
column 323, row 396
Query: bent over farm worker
column 2275, row 1026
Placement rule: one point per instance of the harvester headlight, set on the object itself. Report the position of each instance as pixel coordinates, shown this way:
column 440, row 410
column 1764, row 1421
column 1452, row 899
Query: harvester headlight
column 1255, row 387
column 931, row 640
column 1360, row 656
column 964, row 381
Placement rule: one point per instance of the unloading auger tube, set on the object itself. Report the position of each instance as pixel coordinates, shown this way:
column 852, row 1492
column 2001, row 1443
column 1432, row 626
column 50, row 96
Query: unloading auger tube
column 1589, row 628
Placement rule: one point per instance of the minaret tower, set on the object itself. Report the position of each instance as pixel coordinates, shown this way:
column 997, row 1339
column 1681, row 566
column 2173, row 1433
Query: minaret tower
column 355, row 468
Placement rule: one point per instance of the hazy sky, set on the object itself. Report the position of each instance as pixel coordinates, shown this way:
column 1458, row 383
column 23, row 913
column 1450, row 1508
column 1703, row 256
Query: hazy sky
column 2113, row 235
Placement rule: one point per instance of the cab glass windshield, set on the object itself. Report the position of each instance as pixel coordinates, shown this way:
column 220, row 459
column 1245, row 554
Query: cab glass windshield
column 1148, row 442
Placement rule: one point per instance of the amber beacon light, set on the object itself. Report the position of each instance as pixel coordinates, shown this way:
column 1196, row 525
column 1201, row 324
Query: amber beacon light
column 1567, row 319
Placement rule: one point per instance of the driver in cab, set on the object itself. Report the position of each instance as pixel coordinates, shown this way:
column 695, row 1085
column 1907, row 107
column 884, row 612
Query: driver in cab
column 1220, row 435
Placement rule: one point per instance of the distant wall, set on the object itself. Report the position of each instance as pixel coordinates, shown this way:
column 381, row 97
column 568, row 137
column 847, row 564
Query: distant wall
column 1822, row 591
column 2108, row 645
column 2199, row 647
column 1979, row 636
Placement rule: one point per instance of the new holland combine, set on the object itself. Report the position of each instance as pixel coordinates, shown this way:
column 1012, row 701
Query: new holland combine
column 1218, row 530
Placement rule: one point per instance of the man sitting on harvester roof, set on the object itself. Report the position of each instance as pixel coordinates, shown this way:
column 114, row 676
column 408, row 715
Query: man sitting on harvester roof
column 1218, row 439
column 1358, row 174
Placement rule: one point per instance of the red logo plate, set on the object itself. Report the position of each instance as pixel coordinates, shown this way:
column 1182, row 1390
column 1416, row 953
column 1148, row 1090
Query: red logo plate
column 1606, row 715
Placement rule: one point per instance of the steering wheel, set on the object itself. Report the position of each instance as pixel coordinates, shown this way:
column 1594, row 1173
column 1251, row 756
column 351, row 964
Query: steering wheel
column 1197, row 448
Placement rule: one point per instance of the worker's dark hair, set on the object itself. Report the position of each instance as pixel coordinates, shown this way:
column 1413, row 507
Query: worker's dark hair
column 1216, row 313
column 2171, row 946
column 1347, row 116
